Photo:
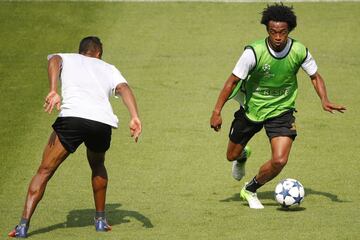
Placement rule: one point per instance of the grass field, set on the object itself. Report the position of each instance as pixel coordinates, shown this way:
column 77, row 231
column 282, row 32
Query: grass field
column 175, row 183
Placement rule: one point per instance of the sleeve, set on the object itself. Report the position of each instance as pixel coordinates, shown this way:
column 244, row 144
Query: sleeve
column 58, row 54
column 309, row 65
column 54, row 54
column 117, row 79
column 246, row 62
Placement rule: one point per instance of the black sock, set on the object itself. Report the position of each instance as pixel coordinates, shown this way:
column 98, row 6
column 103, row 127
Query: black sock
column 253, row 185
column 241, row 160
column 100, row 214
column 24, row 221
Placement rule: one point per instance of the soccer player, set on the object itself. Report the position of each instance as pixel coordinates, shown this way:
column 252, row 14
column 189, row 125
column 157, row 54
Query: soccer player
column 86, row 116
column 266, row 76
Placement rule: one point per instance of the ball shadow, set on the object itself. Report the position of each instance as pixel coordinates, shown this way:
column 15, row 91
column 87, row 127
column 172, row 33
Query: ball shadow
column 266, row 195
column 291, row 209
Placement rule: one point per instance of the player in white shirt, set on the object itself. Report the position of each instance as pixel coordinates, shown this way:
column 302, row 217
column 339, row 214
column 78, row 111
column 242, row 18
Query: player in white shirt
column 85, row 116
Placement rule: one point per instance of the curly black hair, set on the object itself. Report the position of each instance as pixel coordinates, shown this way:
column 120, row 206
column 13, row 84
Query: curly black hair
column 279, row 13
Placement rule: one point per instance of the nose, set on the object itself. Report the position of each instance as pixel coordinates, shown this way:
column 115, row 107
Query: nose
column 278, row 36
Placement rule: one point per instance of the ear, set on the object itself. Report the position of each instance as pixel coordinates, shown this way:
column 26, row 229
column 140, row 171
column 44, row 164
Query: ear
column 98, row 54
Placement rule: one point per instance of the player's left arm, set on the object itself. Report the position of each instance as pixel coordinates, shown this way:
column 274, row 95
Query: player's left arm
column 123, row 90
column 320, row 89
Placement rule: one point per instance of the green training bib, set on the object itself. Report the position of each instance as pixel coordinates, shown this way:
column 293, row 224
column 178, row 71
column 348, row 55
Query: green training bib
column 271, row 87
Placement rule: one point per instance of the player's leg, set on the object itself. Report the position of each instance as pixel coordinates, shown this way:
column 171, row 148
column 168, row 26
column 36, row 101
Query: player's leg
column 54, row 154
column 280, row 150
column 234, row 151
column 281, row 132
column 238, row 155
column 241, row 131
column 99, row 180
column 97, row 141
column 280, row 147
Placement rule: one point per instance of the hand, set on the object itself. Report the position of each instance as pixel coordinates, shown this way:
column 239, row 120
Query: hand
column 135, row 128
column 52, row 99
column 330, row 107
column 216, row 121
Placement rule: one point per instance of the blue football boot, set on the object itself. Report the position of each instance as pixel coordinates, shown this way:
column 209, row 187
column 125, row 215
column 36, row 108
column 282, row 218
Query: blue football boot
column 101, row 225
column 20, row 231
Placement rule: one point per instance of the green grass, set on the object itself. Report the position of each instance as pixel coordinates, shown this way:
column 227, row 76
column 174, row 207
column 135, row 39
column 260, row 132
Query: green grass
column 175, row 183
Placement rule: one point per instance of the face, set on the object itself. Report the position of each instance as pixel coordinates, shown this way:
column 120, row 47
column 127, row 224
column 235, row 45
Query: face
column 278, row 35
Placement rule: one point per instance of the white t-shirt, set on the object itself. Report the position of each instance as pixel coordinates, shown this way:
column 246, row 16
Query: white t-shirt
column 86, row 86
column 247, row 61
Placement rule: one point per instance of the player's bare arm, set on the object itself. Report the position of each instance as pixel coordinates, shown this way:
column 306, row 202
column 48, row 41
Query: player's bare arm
column 320, row 89
column 53, row 99
column 128, row 98
column 230, row 84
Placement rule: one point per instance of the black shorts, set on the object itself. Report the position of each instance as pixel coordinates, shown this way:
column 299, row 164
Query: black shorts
column 242, row 129
column 73, row 131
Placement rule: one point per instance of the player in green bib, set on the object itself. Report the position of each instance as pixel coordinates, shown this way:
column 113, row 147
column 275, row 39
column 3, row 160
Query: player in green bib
column 264, row 82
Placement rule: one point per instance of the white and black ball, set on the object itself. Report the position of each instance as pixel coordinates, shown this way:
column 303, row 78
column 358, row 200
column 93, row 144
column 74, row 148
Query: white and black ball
column 289, row 192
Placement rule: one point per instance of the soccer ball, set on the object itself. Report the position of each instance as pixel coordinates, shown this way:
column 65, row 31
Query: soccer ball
column 289, row 192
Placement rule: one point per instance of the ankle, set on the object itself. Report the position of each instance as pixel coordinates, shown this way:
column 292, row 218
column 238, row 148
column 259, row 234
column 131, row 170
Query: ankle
column 253, row 185
column 99, row 214
column 24, row 222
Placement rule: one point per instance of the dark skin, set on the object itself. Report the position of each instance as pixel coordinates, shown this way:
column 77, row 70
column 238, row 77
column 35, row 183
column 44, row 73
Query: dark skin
column 54, row 152
column 278, row 33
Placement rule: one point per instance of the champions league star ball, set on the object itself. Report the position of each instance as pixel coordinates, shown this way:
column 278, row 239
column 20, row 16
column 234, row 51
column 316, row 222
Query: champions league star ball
column 289, row 192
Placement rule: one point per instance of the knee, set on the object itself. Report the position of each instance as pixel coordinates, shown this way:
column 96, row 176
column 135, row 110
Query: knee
column 99, row 170
column 45, row 172
column 234, row 151
column 231, row 156
column 97, row 166
column 279, row 162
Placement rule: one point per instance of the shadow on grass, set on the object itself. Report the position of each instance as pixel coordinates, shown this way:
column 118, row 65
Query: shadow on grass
column 84, row 217
column 270, row 195
column 291, row 209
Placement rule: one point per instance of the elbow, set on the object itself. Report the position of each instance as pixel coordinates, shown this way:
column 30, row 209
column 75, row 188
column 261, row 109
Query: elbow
column 121, row 88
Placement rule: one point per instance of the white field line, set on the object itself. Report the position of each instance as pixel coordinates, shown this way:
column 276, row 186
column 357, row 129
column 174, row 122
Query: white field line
column 183, row 1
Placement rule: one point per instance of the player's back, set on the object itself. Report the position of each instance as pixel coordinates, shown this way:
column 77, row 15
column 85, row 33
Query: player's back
column 86, row 84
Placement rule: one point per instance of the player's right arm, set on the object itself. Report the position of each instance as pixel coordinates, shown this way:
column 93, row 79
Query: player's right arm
column 53, row 98
column 246, row 62
column 230, row 84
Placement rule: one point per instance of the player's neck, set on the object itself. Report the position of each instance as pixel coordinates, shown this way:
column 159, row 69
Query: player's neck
column 92, row 54
column 281, row 53
column 277, row 49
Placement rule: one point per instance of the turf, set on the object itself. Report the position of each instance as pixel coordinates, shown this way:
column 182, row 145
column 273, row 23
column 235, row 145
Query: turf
column 175, row 183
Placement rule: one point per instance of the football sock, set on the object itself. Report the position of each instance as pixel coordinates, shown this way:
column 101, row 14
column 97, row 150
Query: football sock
column 241, row 160
column 253, row 185
column 100, row 214
column 24, row 221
